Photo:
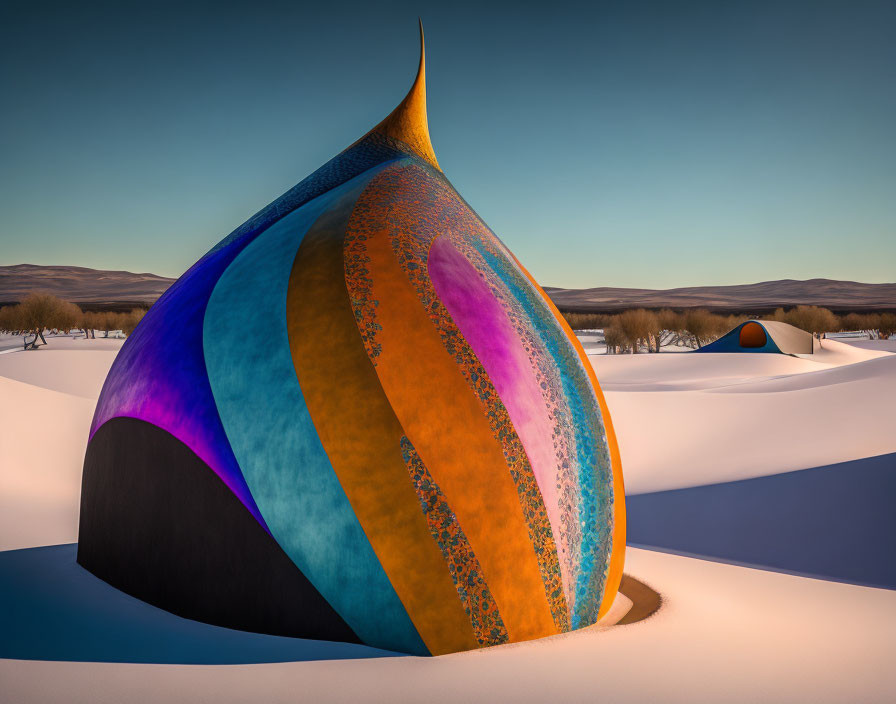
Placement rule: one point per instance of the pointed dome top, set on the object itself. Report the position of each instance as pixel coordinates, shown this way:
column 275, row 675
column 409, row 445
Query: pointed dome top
column 408, row 122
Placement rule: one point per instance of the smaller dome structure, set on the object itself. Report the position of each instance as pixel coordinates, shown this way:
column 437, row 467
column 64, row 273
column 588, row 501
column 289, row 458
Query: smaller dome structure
column 763, row 336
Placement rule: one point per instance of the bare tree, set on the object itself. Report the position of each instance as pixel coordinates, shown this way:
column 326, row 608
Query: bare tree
column 887, row 325
column 67, row 316
column 813, row 319
column 85, row 322
column 102, row 320
column 614, row 338
column 732, row 321
column 39, row 311
column 93, row 321
column 667, row 328
column 852, row 321
column 871, row 322
column 10, row 319
column 578, row 321
column 637, row 325
column 130, row 320
column 702, row 325
column 779, row 315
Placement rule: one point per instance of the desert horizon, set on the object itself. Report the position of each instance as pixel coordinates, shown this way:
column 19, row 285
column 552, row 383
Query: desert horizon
column 119, row 290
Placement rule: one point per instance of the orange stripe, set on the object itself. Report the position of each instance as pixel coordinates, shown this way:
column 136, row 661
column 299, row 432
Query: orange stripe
column 617, row 559
column 362, row 436
column 446, row 424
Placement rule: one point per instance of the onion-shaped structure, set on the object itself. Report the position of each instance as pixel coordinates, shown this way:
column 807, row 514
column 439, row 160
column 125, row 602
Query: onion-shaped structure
column 358, row 418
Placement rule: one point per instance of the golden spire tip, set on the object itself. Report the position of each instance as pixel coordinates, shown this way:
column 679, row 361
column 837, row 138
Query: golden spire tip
column 408, row 122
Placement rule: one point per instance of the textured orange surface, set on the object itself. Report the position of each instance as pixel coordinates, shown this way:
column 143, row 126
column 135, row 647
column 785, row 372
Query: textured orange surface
column 752, row 335
column 488, row 627
column 408, row 122
column 423, row 207
column 362, row 436
column 443, row 419
column 617, row 558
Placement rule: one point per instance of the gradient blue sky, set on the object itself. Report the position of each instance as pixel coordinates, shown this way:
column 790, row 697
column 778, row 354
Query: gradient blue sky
column 647, row 144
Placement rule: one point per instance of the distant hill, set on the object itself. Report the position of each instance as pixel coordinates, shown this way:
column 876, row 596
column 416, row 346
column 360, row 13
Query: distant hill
column 82, row 285
column 837, row 295
column 79, row 284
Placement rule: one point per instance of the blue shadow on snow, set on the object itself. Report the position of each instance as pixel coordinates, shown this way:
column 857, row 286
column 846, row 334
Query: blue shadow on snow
column 53, row 609
column 836, row 522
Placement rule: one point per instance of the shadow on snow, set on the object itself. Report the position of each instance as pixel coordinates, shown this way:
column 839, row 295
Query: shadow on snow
column 53, row 609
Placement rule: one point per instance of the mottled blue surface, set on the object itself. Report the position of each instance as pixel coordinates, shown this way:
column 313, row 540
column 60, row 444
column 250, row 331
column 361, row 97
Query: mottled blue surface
column 160, row 376
column 260, row 400
column 836, row 522
column 53, row 609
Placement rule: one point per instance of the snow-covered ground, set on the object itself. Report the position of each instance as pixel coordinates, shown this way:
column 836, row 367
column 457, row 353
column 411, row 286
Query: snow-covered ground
column 593, row 342
column 724, row 633
column 690, row 419
column 73, row 340
column 47, row 398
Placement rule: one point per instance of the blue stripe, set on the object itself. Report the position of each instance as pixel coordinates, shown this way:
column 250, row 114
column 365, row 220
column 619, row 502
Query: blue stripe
column 266, row 419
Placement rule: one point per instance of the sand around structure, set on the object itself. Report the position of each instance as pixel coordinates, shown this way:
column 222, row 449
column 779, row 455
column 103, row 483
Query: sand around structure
column 723, row 632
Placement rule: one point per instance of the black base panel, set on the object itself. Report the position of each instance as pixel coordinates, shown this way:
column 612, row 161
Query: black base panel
column 159, row 524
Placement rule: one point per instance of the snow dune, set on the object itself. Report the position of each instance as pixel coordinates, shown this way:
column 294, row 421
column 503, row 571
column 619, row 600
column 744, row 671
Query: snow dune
column 724, row 633
column 43, row 436
column 48, row 398
column 691, row 419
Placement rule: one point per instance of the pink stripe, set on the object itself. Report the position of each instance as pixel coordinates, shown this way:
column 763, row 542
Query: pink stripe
column 484, row 324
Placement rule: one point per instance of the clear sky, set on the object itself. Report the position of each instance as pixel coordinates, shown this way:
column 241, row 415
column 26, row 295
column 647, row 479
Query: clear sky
column 646, row 144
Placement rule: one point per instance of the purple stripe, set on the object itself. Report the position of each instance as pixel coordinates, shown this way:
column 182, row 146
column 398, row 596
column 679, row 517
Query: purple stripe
column 159, row 375
column 486, row 327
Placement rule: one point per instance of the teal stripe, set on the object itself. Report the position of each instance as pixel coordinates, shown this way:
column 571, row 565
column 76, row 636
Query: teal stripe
column 266, row 419
column 595, row 472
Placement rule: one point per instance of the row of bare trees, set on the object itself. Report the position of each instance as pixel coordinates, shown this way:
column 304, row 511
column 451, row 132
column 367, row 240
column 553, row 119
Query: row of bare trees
column 39, row 312
column 631, row 330
column 820, row 320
